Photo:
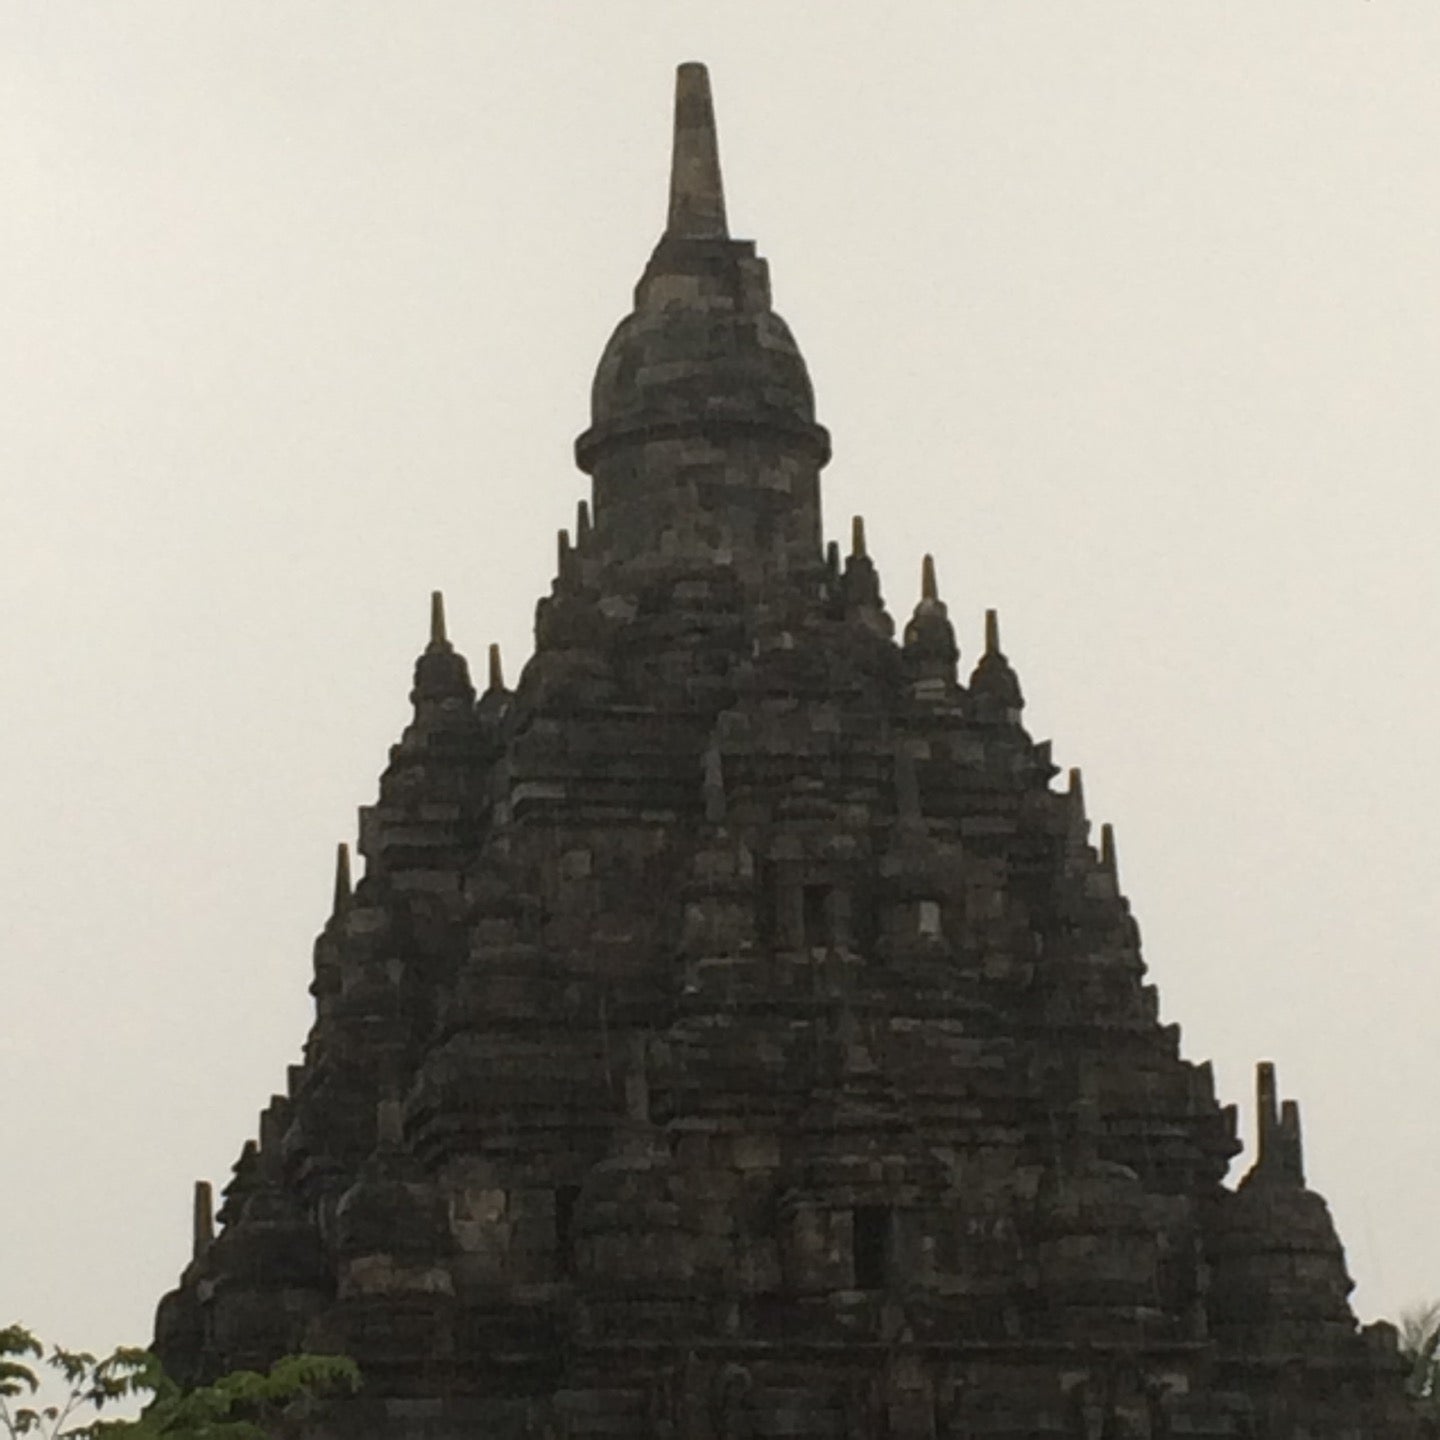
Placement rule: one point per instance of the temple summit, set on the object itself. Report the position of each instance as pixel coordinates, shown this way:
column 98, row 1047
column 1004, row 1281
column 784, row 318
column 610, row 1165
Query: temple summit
column 735, row 1029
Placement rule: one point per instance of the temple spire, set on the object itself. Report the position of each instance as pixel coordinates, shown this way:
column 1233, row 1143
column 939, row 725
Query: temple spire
column 203, row 1220
column 697, row 198
column 1267, row 1112
column 929, row 590
column 342, row 875
column 1079, row 826
column 994, row 686
column 441, row 676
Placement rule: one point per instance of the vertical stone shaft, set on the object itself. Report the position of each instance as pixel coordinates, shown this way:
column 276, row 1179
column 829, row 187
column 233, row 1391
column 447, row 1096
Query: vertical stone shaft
column 697, row 197
column 203, row 1231
column 1267, row 1113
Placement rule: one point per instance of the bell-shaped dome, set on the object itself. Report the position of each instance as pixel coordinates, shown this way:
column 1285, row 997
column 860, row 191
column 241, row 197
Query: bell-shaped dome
column 702, row 350
column 703, row 446
column 994, row 686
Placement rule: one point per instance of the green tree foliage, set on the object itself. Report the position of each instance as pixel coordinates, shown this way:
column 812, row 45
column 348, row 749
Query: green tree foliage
column 1419, row 1329
column 242, row 1406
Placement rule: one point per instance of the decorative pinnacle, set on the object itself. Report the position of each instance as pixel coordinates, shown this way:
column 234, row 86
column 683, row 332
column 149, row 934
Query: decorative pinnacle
column 1294, row 1144
column 928, row 588
column 1107, row 847
column 342, row 875
column 497, row 674
column 203, row 1219
column 857, row 537
column 1267, row 1112
column 697, row 198
column 992, row 632
column 437, row 618
column 582, row 524
column 832, row 557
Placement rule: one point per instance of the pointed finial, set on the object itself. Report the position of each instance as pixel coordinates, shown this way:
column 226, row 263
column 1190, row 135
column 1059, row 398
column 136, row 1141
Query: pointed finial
column 697, row 198
column 562, row 550
column 929, row 590
column 1267, row 1114
column 857, row 536
column 497, row 673
column 342, row 876
column 832, row 557
column 1294, row 1151
column 1107, row 847
column 1077, row 787
column 582, row 524
column 437, row 617
column 203, row 1219
column 992, row 632
column 272, row 1130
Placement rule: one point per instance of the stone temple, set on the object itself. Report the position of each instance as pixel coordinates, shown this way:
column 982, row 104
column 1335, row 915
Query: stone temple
column 735, row 1032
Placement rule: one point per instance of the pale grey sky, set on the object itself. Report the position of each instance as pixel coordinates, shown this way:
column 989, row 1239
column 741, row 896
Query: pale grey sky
column 1126, row 310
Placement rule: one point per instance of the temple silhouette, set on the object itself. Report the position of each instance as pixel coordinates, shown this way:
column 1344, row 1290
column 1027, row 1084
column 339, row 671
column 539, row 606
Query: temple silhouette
column 736, row 1031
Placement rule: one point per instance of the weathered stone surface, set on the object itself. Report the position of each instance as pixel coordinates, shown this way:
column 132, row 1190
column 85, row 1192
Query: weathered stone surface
column 734, row 1033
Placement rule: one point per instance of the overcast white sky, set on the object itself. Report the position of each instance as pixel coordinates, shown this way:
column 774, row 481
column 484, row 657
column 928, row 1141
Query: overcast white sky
column 1126, row 310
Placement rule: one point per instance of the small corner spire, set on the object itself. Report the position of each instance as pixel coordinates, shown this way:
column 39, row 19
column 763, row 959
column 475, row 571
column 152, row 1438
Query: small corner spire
column 1294, row 1152
column 437, row 618
column 857, row 536
column 1107, row 848
column 992, row 632
column 1267, row 1113
column 697, row 198
column 1279, row 1149
column 582, row 524
column 929, row 590
column 203, row 1219
column 342, row 875
column 497, row 672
